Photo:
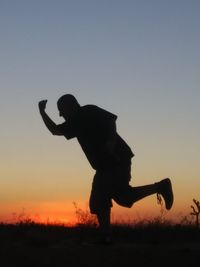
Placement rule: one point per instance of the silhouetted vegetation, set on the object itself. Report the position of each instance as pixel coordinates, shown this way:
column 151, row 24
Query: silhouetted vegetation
column 84, row 217
column 32, row 244
column 196, row 211
column 147, row 243
column 156, row 242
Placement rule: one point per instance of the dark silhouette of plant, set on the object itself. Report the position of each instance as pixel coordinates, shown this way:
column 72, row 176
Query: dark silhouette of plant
column 84, row 217
column 196, row 211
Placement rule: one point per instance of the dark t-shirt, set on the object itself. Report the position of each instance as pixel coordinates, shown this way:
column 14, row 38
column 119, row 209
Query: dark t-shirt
column 92, row 126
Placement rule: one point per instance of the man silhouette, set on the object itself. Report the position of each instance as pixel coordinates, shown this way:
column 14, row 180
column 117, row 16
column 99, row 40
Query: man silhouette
column 109, row 156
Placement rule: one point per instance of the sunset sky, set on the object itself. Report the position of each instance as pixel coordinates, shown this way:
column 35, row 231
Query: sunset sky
column 139, row 59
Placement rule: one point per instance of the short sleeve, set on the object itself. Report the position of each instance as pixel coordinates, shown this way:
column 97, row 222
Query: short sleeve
column 66, row 130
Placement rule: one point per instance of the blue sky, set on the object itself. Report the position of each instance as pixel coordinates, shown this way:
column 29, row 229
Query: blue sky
column 138, row 59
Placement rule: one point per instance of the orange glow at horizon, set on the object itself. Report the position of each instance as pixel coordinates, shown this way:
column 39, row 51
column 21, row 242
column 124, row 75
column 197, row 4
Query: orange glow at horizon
column 64, row 212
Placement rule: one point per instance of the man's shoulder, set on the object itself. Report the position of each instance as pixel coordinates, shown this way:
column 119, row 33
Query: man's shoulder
column 96, row 111
column 89, row 107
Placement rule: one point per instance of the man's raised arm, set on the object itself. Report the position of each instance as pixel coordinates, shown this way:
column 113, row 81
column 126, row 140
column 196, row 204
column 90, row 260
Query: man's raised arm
column 51, row 126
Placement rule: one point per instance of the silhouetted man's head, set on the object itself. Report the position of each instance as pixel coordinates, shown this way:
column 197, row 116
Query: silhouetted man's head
column 67, row 105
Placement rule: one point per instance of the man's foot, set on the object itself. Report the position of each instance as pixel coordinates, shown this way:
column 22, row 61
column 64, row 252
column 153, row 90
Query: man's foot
column 164, row 188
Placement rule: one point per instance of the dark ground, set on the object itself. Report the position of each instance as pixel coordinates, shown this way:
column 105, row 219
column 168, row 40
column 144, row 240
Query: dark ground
column 31, row 245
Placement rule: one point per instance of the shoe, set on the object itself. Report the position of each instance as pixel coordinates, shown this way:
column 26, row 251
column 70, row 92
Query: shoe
column 165, row 190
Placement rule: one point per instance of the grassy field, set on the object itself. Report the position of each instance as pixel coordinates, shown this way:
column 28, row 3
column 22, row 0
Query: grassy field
column 28, row 244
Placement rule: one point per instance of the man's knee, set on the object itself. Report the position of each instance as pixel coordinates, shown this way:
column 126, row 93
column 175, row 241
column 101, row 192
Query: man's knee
column 123, row 195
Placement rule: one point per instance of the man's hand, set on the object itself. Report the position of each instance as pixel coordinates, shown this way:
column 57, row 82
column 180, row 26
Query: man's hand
column 42, row 105
column 51, row 126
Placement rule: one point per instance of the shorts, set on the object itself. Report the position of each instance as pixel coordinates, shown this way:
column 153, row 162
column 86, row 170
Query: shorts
column 111, row 184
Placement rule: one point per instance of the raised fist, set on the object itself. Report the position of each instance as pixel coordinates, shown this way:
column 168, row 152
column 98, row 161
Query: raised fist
column 42, row 105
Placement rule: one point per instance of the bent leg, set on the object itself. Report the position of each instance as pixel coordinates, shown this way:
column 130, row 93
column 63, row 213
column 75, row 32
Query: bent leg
column 140, row 192
column 128, row 195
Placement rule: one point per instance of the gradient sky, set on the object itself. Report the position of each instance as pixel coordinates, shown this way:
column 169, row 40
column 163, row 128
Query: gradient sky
column 138, row 59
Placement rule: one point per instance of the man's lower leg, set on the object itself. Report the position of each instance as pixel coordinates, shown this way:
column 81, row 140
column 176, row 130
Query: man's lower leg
column 103, row 217
column 164, row 188
column 140, row 192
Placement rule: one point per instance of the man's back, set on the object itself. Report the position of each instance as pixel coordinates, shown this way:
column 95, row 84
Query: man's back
column 93, row 127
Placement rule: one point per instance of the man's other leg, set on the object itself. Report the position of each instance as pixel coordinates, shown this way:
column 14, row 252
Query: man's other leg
column 164, row 188
column 101, row 203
